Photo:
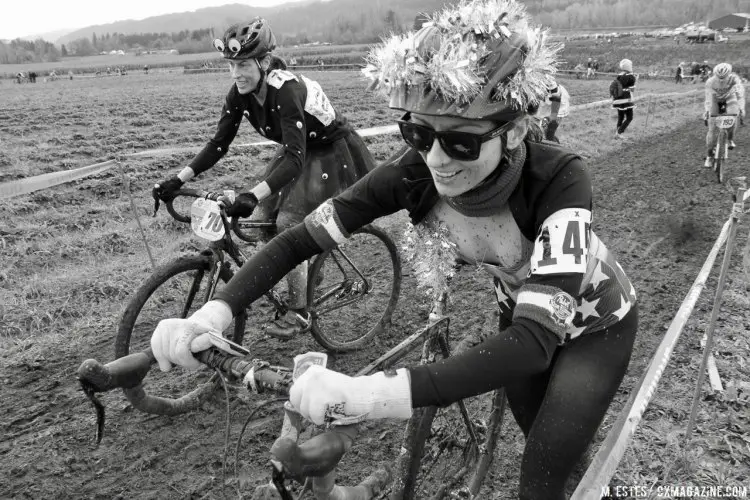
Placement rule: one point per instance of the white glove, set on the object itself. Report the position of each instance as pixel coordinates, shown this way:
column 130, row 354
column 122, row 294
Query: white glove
column 174, row 340
column 321, row 395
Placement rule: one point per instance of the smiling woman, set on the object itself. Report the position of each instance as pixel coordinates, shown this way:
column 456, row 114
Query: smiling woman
column 518, row 208
column 319, row 154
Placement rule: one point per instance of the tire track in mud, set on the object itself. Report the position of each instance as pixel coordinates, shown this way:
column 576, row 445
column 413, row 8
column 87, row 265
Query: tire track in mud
column 655, row 207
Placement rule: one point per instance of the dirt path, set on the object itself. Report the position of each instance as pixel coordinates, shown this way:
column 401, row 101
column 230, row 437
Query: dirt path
column 654, row 207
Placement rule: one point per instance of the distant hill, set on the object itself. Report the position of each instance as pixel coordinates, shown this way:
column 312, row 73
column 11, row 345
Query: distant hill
column 317, row 19
column 49, row 36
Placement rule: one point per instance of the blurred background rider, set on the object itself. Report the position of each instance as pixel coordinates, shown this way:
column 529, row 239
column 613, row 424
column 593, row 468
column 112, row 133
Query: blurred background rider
column 319, row 153
column 724, row 94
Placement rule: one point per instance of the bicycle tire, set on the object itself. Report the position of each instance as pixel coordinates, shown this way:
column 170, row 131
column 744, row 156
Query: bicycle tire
column 335, row 300
column 445, row 462
column 719, row 156
column 154, row 301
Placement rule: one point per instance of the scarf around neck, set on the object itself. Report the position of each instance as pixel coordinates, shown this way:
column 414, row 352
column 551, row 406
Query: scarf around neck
column 492, row 194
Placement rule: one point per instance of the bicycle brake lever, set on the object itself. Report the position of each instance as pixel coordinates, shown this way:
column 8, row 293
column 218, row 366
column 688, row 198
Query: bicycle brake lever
column 277, row 478
column 90, row 393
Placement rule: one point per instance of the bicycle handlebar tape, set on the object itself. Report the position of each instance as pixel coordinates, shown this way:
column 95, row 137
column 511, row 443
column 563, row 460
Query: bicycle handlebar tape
column 314, row 458
column 126, row 372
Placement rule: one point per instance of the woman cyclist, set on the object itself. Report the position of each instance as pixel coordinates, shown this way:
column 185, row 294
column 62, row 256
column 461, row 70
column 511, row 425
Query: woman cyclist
column 520, row 209
column 319, row 153
column 725, row 93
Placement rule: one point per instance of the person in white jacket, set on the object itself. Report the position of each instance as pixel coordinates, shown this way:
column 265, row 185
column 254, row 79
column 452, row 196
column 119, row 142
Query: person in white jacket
column 725, row 93
column 554, row 108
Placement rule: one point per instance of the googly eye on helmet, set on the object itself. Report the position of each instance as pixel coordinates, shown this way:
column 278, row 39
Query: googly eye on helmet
column 251, row 40
column 722, row 70
column 477, row 59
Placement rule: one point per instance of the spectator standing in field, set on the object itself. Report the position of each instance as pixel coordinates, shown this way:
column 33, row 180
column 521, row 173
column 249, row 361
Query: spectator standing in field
column 318, row 157
column 589, row 68
column 678, row 73
column 145, row 69
column 596, row 67
column 621, row 91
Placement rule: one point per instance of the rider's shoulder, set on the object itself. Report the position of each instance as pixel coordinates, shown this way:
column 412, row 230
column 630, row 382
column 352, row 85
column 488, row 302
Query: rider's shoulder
column 277, row 77
column 546, row 160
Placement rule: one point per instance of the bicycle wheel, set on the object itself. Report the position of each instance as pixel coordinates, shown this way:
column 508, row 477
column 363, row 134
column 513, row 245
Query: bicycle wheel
column 174, row 290
column 449, row 458
column 719, row 157
column 352, row 290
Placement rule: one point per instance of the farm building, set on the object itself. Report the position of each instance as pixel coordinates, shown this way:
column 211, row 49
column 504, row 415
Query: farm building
column 736, row 21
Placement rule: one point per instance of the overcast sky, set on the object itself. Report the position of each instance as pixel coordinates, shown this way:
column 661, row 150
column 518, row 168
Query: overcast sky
column 33, row 17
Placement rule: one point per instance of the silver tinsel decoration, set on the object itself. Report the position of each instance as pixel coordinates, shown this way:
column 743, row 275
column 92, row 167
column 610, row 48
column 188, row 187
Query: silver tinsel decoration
column 432, row 255
column 457, row 39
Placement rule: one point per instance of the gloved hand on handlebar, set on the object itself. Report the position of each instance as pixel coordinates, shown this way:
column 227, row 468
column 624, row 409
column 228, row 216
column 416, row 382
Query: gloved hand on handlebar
column 705, row 118
column 165, row 190
column 174, row 340
column 243, row 205
column 322, row 395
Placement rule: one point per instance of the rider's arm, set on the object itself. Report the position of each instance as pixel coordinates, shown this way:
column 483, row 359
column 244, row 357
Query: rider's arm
column 229, row 123
column 379, row 193
column 710, row 96
column 527, row 346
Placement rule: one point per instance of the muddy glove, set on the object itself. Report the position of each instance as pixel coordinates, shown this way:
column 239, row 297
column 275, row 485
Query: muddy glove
column 323, row 395
column 174, row 340
column 165, row 190
column 243, row 205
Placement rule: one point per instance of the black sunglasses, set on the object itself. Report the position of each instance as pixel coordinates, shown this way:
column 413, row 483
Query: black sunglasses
column 463, row 146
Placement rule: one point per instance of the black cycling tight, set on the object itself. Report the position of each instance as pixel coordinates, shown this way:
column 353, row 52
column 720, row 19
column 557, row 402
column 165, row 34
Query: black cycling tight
column 624, row 117
column 560, row 410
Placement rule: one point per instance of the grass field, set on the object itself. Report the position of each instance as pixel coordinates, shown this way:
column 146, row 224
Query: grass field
column 72, row 256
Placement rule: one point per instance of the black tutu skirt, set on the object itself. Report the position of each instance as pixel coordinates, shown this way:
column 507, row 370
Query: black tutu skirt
column 328, row 170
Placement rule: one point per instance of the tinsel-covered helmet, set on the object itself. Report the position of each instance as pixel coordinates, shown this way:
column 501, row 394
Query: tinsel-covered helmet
column 477, row 59
column 722, row 70
column 251, row 40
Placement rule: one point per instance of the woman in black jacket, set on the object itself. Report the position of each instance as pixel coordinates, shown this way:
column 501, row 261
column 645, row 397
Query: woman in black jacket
column 319, row 153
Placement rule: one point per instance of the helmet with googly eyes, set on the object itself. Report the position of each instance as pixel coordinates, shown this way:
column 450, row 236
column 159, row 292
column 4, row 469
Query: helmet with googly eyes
column 251, row 40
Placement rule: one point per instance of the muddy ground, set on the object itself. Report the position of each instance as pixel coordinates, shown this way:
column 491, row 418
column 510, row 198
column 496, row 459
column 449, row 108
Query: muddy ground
column 654, row 207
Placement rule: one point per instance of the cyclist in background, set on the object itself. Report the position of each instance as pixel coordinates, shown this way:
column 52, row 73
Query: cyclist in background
column 724, row 94
column 623, row 102
column 319, row 153
column 554, row 107
column 518, row 208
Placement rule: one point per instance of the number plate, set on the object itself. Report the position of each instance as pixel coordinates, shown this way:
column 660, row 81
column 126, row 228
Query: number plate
column 304, row 361
column 725, row 121
column 205, row 219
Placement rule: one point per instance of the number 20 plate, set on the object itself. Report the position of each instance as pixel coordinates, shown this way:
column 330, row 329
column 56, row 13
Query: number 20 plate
column 205, row 219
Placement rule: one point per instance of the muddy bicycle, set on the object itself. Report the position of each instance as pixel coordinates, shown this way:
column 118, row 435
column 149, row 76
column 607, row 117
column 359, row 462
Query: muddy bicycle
column 352, row 289
column 723, row 123
column 445, row 453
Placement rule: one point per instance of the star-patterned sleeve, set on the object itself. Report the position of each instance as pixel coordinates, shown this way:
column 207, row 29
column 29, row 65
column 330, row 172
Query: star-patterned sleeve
column 229, row 123
column 290, row 105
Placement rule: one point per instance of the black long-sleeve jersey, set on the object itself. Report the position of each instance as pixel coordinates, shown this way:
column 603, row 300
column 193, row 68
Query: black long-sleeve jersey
column 555, row 279
column 290, row 110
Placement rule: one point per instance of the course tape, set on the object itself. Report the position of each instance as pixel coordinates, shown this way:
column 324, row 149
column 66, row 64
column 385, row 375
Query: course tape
column 613, row 447
column 31, row 184
column 44, row 181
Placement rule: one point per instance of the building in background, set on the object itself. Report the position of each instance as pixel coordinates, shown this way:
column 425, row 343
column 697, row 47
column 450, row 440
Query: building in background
column 739, row 21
